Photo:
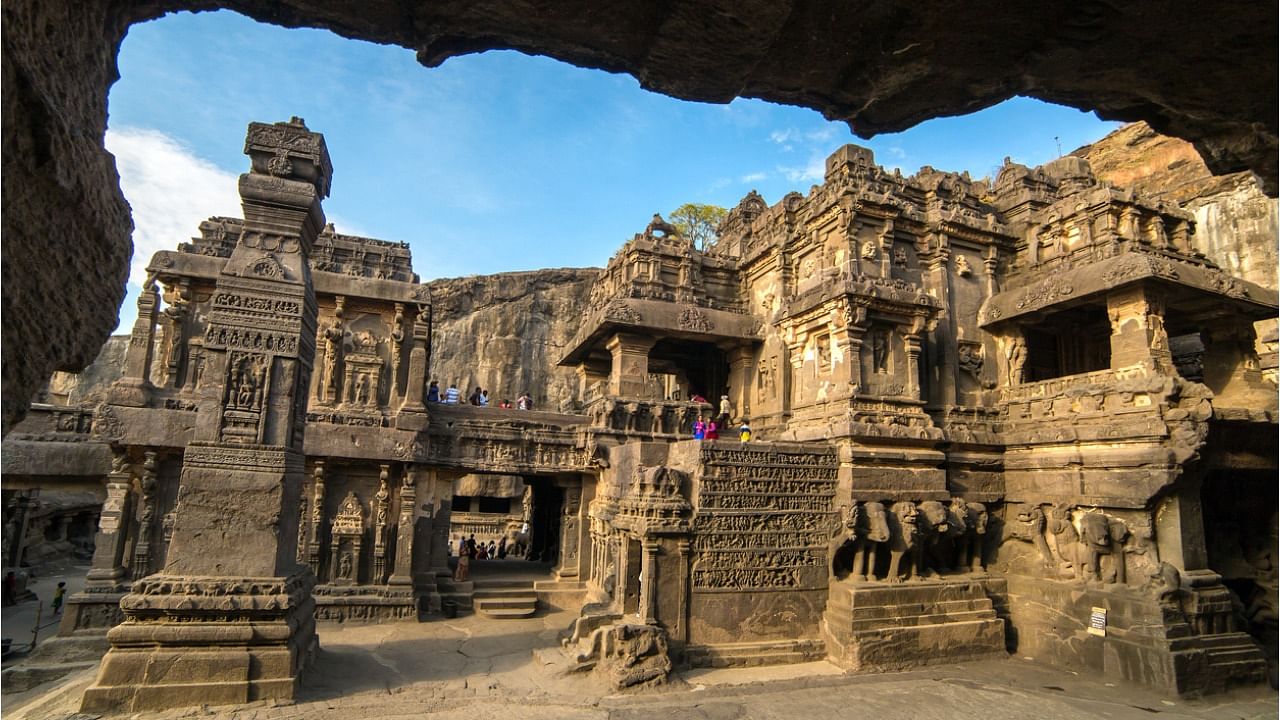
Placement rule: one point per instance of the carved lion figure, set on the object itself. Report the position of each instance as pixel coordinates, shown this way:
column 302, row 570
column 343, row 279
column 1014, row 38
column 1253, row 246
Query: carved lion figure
column 935, row 529
column 970, row 551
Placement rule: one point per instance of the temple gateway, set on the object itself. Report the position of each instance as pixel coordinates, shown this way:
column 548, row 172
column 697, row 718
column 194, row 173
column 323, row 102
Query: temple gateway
column 1021, row 414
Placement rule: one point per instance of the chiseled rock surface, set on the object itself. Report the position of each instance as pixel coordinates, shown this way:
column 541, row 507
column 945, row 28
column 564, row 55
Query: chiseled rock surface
column 1236, row 223
column 506, row 332
column 881, row 68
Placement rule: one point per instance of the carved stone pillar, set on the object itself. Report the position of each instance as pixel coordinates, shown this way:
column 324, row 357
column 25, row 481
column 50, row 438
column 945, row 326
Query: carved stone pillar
column 911, row 342
column 629, row 373
column 315, row 540
column 231, row 570
column 742, row 365
column 413, row 413
column 175, row 332
column 107, row 571
column 394, row 393
column 381, row 508
column 1137, row 329
column 402, row 574
column 682, row 547
column 648, row 581
column 134, row 386
column 570, row 534
column 148, row 484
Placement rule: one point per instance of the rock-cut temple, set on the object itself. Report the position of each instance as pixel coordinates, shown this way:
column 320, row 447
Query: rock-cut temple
column 1018, row 414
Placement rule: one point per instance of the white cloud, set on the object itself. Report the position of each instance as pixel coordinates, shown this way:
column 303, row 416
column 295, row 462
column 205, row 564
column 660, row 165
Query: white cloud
column 754, row 177
column 821, row 135
column 812, row 172
column 782, row 137
column 170, row 190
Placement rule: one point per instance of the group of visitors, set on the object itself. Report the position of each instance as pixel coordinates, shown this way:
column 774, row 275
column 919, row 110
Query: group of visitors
column 709, row 429
column 469, row 549
column 479, row 397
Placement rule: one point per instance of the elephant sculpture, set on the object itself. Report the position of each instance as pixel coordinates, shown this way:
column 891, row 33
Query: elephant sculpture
column 1102, row 535
column 935, row 524
column 904, row 541
column 970, row 550
column 1065, row 537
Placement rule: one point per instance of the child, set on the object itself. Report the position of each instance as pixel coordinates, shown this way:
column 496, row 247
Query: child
column 744, row 432
column 58, row 594
column 712, row 432
column 699, row 429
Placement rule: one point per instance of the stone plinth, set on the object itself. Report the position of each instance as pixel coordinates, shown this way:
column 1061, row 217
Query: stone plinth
column 880, row 627
column 202, row 640
column 1147, row 641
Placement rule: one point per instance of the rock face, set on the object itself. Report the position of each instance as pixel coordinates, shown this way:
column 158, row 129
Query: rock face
column 506, row 332
column 1236, row 223
column 881, row 69
column 90, row 386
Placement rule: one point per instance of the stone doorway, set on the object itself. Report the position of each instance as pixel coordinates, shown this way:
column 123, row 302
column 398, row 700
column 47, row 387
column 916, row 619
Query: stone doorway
column 1240, row 523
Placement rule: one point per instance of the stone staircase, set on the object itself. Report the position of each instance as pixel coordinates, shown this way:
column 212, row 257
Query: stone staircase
column 504, row 598
column 781, row 652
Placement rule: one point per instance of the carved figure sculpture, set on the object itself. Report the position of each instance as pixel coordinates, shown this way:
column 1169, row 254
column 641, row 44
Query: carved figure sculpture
column 880, row 351
column 969, row 552
column 1065, row 537
column 1017, row 357
column 1030, row 528
column 1102, row 535
column 935, row 527
column 903, row 541
column 865, row 528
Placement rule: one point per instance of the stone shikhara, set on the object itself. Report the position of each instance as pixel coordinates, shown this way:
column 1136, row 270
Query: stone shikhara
column 975, row 405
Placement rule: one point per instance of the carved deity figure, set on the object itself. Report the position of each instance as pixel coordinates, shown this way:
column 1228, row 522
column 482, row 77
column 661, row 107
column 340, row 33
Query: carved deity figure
column 880, row 350
column 903, row 541
column 1016, row 355
column 345, row 568
column 963, row 269
column 1102, row 535
column 869, row 250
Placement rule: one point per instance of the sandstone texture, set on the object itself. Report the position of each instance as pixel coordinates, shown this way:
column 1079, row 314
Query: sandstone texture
column 506, row 333
column 881, row 68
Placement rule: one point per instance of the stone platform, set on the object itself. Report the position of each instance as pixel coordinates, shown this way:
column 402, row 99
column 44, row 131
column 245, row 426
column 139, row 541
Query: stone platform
column 877, row 627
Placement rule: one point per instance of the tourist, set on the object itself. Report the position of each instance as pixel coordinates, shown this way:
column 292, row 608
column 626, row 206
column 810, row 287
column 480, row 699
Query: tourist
column 493, row 549
column 699, row 428
column 482, row 553
column 433, row 392
column 524, row 402
column 744, row 431
column 697, row 398
column 58, row 594
column 463, row 570
column 712, row 432
column 505, row 404
column 451, row 395
column 484, row 398
column 474, row 399
column 726, row 410
column 502, row 547
column 471, row 544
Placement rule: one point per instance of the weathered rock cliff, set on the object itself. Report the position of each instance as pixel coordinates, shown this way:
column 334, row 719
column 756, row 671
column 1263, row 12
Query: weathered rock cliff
column 1236, row 223
column 505, row 333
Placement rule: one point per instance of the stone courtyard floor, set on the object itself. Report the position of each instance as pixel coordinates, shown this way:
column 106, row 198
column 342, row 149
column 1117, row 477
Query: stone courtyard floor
column 473, row 668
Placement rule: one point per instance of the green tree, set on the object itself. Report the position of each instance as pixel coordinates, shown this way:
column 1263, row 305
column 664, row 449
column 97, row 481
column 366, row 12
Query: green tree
column 698, row 222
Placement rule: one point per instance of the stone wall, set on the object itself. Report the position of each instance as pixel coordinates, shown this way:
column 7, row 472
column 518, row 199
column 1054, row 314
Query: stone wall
column 506, row 332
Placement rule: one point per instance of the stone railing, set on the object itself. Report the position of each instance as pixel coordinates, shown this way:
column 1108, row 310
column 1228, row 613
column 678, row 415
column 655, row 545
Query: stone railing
column 55, row 423
column 641, row 416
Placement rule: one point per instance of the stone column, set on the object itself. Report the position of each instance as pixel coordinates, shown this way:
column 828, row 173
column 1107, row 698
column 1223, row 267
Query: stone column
column 107, row 571
column 402, row 573
column 648, row 581
column 413, row 414
column 18, row 543
column 682, row 547
column 1137, row 329
column 630, row 371
column 231, row 618
column 314, row 543
column 570, row 534
column 911, row 341
column 742, row 365
column 134, row 386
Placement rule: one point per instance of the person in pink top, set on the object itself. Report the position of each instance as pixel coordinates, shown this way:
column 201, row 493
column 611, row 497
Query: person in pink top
column 712, row 431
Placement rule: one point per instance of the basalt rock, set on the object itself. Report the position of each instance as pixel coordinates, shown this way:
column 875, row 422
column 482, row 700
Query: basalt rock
column 881, row 69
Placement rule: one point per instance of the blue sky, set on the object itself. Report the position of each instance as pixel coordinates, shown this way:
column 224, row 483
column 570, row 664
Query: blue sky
column 491, row 162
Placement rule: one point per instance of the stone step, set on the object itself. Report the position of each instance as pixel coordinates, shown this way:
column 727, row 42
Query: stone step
column 912, row 621
column 499, row 583
column 514, row 601
column 504, row 592
column 756, row 654
column 506, row 613
column 943, row 606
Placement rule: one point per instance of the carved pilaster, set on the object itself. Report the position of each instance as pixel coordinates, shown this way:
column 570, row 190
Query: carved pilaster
column 134, row 386
column 148, row 484
column 648, row 581
column 413, row 413
column 382, row 505
column 107, row 571
column 317, row 518
column 630, row 369
column 403, row 572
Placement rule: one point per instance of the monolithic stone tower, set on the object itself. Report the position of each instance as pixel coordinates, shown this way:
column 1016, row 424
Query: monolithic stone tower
column 230, row 619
